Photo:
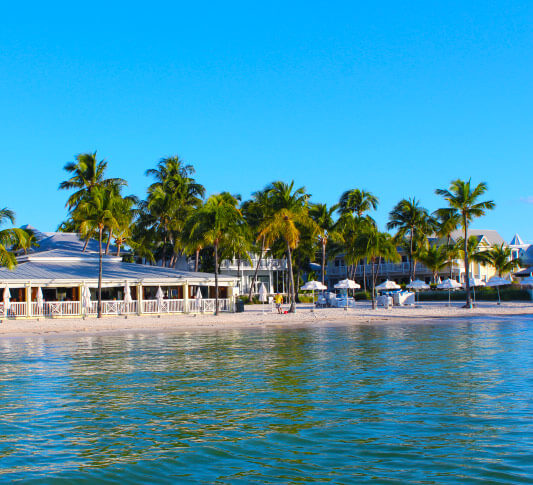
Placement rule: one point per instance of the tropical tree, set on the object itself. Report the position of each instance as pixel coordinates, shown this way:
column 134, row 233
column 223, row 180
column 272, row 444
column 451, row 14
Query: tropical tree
column 357, row 202
column 288, row 211
column 500, row 257
column 217, row 223
column 11, row 238
column 376, row 246
column 413, row 222
column 436, row 258
column 87, row 173
column 327, row 230
column 464, row 198
column 97, row 211
column 447, row 220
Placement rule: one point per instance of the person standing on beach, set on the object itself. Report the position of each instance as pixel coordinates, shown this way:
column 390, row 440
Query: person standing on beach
column 278, row 299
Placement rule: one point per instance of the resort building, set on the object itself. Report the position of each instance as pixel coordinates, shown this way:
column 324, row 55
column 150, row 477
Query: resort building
column 336, row 268
column 60, row 278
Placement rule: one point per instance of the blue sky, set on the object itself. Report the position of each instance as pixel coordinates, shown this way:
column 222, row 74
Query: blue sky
column 397, row 98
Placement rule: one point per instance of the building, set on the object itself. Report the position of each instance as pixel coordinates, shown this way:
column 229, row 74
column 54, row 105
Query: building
column 336, row 268
column 60, row 279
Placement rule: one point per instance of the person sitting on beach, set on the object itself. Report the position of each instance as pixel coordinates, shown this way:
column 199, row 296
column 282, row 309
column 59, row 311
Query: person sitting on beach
column 278, row 299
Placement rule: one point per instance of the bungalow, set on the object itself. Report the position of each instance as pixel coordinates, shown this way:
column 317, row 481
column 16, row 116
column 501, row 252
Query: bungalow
column 60, row 279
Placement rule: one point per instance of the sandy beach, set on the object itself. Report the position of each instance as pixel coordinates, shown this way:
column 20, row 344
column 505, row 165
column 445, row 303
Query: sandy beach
column 256, row 315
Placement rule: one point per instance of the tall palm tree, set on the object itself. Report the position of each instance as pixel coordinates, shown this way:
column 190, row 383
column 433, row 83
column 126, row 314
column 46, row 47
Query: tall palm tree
column 357, row 202
column 217, row 223
column 376, row 246
column 464, row 198
column 323, row 217
column 412, row 221
column 446, row 220
column 97, row 212
column 87, row 173
column 289, row 209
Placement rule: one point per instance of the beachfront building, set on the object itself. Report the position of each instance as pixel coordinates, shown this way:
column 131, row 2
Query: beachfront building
column 272, row 272
column 60, row 279
column 399, row 272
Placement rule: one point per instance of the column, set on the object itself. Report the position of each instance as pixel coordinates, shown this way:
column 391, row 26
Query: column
column 139, row 299
column 28, row 300
column 186, row 297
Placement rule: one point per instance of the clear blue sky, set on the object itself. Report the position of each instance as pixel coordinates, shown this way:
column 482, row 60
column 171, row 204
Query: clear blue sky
column 397, row 98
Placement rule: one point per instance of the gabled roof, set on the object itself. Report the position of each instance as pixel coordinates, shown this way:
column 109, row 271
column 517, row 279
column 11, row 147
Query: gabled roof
column 490, row 235
column 516, row 241
column 68, row 240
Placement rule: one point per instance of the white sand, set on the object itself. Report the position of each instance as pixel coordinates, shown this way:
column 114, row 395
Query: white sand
column 253, row 316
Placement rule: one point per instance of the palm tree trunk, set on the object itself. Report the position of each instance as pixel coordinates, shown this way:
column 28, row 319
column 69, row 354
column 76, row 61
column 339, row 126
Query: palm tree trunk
column 119, row 245
column 373, row 285
column 108, row 241
column 216, row 277
column 85, row 245
column 196, row 260
column 254, row 279
column 324, row 242
column 99, row 312
column 411, row 257
column 364, row 275
column 467, row 267
column 292, row 308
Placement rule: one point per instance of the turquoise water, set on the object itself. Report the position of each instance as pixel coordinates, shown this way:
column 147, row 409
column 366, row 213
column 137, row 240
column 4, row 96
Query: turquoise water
column 443, row 402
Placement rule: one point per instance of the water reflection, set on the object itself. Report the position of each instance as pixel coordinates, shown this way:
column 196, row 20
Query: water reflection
column 347, row 404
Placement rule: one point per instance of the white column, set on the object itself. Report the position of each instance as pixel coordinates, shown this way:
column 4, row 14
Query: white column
column 186, row 297
column 28, row 300
column 139, row 299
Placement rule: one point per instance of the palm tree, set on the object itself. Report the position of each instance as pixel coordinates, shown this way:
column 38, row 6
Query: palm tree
column 412, row 221
column 323, row 217
column 88, row 173
column 501, row 259
column 446, row 220
column 465, row 200
column 357, row 202
column 216, row 223
column 97, row 212
column 11, row 238
column 289, row 209
column 376, row 246
column 436, row 258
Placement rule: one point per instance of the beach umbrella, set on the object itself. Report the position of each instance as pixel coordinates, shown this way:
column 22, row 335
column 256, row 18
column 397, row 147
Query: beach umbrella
column 388, row 285
column 497, row 282
column 199, row 298
column 39, row 301
column 263, row 295
column 418, row 285
column 7, row 302
column 86, row 298
column 159, row 297
column 316, row 285
column 473, row 283
column 127, row 297
column 449, row 285
column 347, row 285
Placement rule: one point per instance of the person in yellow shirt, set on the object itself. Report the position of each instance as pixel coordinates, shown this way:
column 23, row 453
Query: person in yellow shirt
column 278, row 300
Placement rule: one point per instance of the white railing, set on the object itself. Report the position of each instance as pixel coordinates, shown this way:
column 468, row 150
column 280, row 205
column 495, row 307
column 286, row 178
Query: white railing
column 165, row 306
column 114, row 307
column 207, row 305
column 14, row 309
column 56, row 308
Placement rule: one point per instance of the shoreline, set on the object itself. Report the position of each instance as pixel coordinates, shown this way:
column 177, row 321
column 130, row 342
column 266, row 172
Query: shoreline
column 253, row 317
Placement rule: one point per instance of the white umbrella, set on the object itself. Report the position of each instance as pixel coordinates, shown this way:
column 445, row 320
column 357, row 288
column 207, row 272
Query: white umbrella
column 263, row 295
column 316, row 285
column 39, row 301
column 418, row 285
column 86, row 298
column 473, row 283
column 7, row 296
column 199, row 298
column 388, row 285
column 159, row 297
column 497, row 282
column 127, row 293
column 347, row 285
column 449, row 285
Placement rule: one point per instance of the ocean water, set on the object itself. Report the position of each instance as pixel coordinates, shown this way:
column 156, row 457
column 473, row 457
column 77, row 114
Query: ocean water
column 438, row 402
